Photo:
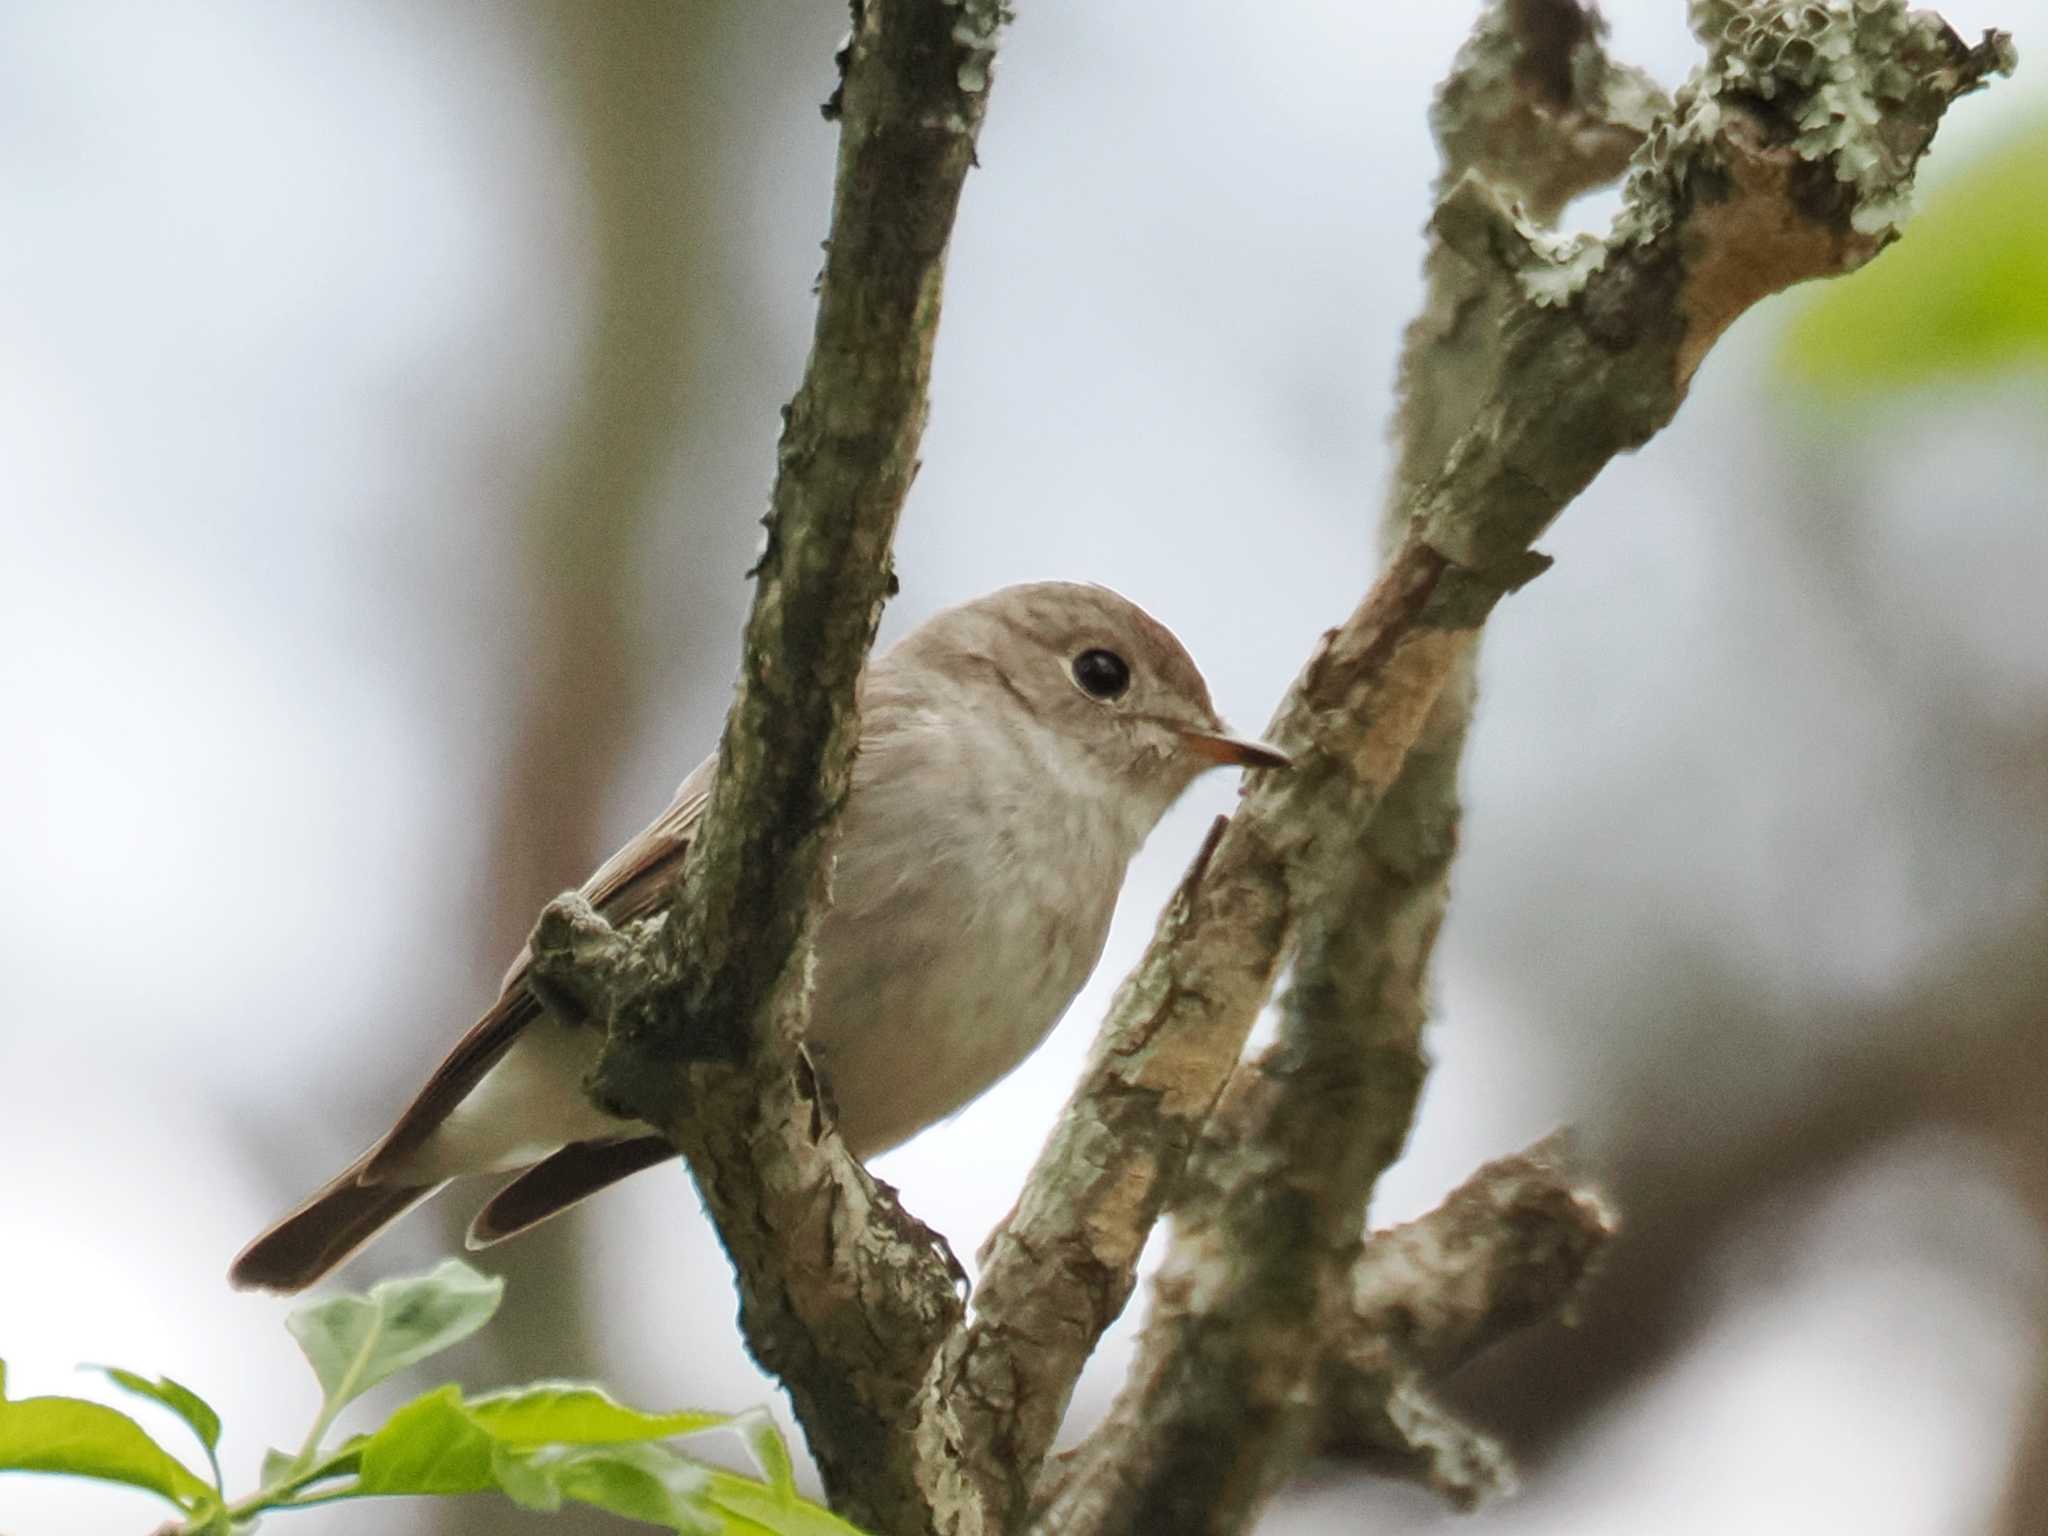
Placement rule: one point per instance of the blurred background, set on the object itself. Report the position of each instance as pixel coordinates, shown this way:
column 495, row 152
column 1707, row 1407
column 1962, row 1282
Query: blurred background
column 387, row 399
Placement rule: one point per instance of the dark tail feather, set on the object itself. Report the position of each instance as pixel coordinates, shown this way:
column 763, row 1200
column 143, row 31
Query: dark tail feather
column 580, row 1169
column 332, row 1224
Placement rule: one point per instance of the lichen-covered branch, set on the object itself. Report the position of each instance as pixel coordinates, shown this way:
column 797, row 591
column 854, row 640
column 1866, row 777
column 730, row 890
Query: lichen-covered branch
column 842, row 1294
column 1788, row 156
column 1534, row 106
column 1531, row 86
column 1511, row 1246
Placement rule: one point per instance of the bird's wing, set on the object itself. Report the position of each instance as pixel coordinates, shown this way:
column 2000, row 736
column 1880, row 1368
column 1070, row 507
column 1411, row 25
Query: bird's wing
column 630, row 884
column 636, row 880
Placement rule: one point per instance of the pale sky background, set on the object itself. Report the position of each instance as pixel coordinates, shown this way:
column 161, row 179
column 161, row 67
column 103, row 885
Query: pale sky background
column 291, row 297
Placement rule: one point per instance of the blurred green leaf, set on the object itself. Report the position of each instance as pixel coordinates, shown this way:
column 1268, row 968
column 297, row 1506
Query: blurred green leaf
column 641, row 1481
column 277, row 1466
column 431, row 1445
column 526, row 1479
column 764, row 1442
column 354, row 1342
column 539, row 1445
column 87, row 1439
column 180, row 1399
column 572, row 1413
column 556, row 1441
column 1964, row 292
column 281, row 1471
column 783, row 1514
column 441, row 1443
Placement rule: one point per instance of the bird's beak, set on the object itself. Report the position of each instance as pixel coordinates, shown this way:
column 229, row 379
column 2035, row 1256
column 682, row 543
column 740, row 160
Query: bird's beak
column 1234, row 751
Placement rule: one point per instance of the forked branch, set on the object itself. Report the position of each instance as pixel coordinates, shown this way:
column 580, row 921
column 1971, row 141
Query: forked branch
column 1789, row 155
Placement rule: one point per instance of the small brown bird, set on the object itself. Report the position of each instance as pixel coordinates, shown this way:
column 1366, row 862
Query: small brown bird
column 1014, row 753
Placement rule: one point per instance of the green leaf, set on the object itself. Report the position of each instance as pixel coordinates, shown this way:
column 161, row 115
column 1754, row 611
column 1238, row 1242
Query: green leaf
column 785, row 1515
column 641, row 1481
column 525, row 1479
column 281, row 1470
column 556, row 1441
column 180, row 1399
column 771, row 1454
column 1965, row 291
column 354, row 1342
column 87, row 1439
column 440, row 1443
column 571, row 1413
column 431, row 1445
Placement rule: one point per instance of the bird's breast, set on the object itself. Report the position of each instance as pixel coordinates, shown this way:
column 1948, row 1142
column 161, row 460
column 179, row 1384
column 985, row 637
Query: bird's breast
column 958, row 936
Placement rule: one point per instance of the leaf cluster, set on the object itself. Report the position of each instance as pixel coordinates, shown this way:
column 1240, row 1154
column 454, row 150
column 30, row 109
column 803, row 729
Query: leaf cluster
column 542, row 1446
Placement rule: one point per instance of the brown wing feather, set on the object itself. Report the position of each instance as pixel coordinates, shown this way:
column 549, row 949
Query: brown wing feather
column 553, row 1185
column 328, row 1226
column 630, row 884
column 489, row 1038
column 639, row 877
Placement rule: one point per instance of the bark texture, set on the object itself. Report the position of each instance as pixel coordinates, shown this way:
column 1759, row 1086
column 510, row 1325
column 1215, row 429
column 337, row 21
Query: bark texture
column 1787, row 156
column 1513, row 1245
column 1562, row 355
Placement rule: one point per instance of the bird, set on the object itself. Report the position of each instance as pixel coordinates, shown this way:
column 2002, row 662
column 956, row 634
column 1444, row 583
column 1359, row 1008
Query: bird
column 1014, row 752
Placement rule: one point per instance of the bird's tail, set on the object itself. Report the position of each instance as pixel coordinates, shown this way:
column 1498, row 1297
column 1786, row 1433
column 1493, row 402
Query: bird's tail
column 555, row 1183
column 331, row 1224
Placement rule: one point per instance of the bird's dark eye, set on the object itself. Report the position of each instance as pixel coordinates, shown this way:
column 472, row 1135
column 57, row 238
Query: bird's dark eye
column 1102, row 674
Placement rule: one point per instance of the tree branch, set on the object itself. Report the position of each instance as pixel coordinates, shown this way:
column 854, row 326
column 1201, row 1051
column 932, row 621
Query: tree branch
column 1512, row 1246
column 1580, row 350
column 1535, row 107
column 1061, row 1268
column 1735, row 195
column 843, row 1295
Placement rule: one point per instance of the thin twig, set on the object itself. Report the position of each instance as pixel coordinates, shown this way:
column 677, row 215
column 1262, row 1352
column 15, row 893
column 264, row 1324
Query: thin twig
column 1512, row 1246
